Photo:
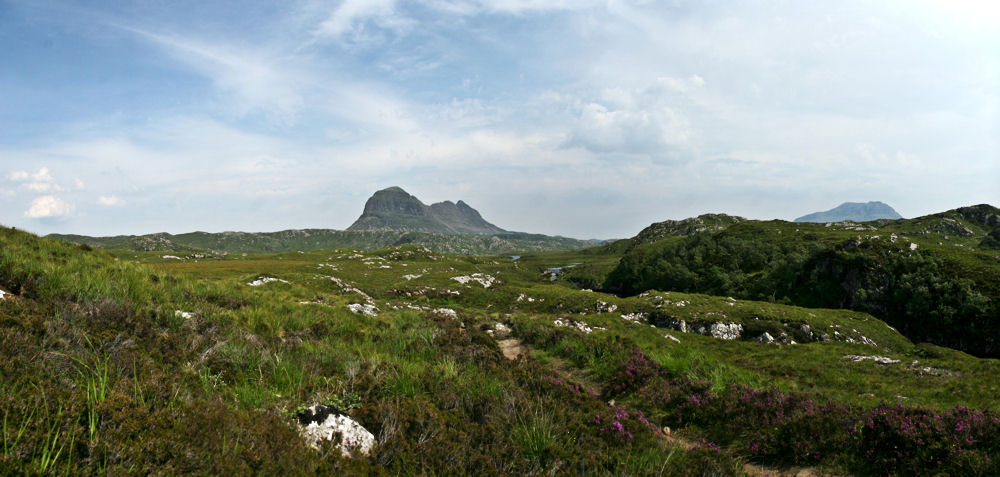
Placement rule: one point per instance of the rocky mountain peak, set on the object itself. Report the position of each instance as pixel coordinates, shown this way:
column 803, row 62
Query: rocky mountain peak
column 393, row 208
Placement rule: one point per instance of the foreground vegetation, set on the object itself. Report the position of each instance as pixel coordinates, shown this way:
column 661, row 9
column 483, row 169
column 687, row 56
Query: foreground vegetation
column 135, row 363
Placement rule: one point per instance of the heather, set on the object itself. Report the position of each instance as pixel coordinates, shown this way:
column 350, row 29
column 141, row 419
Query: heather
column 790, row 428
column 126, row 362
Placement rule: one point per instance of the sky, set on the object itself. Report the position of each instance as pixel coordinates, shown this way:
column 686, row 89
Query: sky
column 587, row 119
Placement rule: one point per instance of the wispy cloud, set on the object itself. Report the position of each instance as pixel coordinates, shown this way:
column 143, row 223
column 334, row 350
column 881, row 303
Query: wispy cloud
column 256, row 79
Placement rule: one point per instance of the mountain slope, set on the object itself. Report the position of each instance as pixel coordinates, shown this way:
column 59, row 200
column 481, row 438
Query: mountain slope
column 853, row 211
column 394, row 209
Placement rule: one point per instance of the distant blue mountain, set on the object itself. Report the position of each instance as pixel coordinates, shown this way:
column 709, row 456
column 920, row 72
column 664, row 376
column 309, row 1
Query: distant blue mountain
column 853, row 211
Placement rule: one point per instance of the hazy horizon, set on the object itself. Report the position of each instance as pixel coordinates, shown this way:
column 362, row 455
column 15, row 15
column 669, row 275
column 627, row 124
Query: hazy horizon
column 586, row 119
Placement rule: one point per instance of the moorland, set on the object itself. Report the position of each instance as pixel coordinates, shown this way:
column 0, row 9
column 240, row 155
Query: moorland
column 714, row 345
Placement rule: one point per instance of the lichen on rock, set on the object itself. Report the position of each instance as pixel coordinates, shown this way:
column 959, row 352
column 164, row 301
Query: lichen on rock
column 326, row 423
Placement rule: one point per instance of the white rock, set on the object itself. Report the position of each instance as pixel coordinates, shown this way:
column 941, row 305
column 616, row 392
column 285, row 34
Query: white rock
column 363, row 308
column 726, row 331
column 181, row 314
column 878, row 359
column 765, row 338
column 263, row 280
column 672, row 338
column 499, row 331
column 174, row 257
column 323, row 423
column 485, row 280
column 637, row 317
column 603, row 307
column 576, row 324
column 411, row 277
column 446, row 312
column 914, row 246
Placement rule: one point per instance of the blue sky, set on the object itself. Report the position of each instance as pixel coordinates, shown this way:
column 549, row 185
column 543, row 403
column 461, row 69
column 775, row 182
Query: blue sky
column 570, row 117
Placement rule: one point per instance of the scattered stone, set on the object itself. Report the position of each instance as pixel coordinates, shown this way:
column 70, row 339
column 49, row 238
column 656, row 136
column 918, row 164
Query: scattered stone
column 325, row 423
column 576, row 324
column 603, row 307
column 878, row 359
column 499, row 331
column 725, row 331
column 765, row 338
column 485, row 280
column 347, row 288
column 671, row 338
column 411, row 277
column 178, row 313
column 172, row 257
column 363, row 309
column 637, row 317
column 264, row 280
column 446, row 312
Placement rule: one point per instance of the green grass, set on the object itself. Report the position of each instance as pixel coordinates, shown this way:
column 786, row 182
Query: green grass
column 138, row 388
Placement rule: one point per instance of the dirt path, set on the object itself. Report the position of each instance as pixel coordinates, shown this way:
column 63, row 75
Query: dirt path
column 512, row 348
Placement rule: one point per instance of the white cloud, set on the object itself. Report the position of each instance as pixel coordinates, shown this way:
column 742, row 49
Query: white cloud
column 40, row 182
column 647, row 121
column 110, row 201
column 48, row 206
column 350, row 16
column 78, row 183
column 43, row 175
column 41, row 186
column 516, row 7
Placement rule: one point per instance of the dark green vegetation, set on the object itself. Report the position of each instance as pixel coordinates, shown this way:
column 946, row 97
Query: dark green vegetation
column 319, row 239
column 127, row 362
column 935, row 278
column 853, row 211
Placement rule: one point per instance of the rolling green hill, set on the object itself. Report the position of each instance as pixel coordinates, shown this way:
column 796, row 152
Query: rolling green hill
column 317, row 239
column 935, row 278
column 134, row 364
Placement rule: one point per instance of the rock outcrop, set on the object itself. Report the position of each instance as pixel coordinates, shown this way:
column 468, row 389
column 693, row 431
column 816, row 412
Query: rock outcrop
column 325, row 423
column 394, row 209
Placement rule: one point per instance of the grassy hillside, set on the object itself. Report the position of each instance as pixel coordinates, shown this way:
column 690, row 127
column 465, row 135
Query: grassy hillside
column 139, row 364
column 318, row 239
column 935, row 278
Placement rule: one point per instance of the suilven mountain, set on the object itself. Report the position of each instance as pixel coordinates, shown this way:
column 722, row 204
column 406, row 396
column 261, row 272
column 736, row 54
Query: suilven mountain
column 391, row 218
column 394, row 209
